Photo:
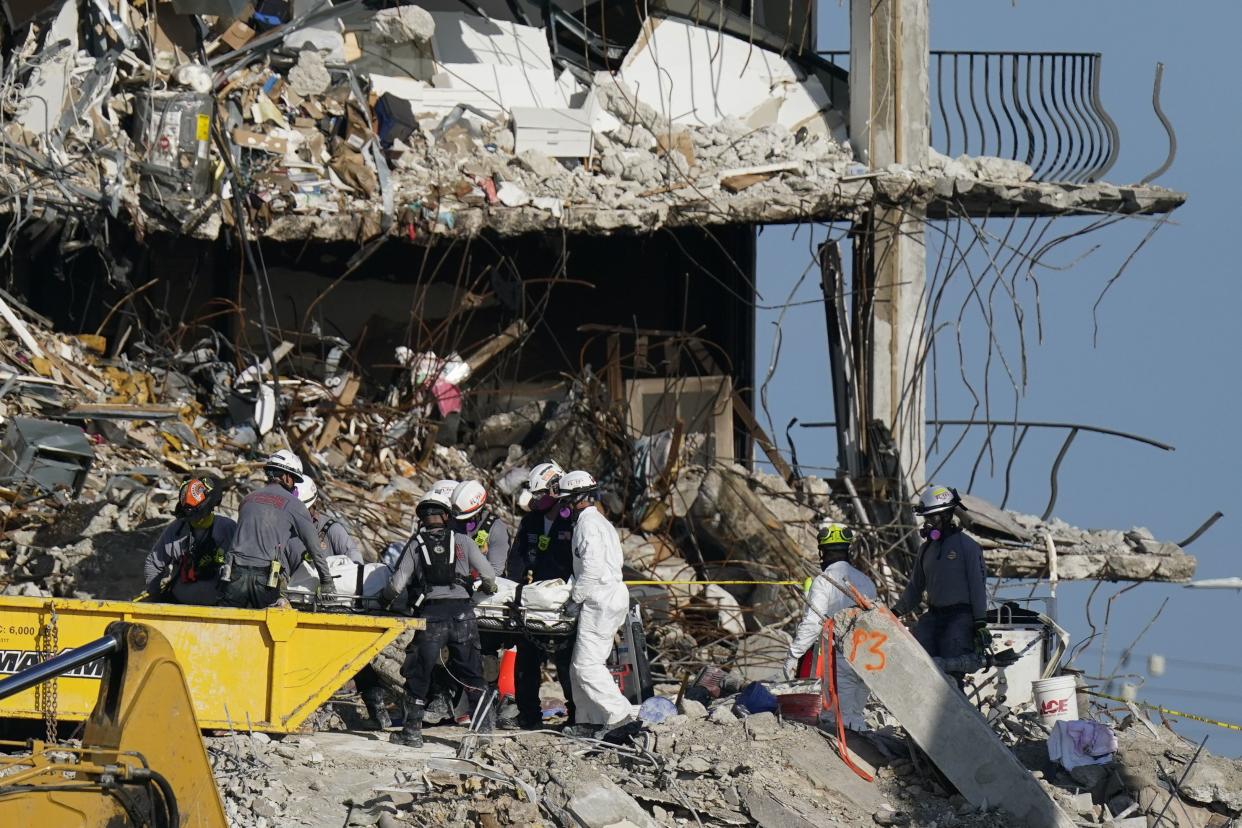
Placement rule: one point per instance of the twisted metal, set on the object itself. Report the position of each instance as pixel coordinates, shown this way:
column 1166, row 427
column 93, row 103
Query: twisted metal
column 1040, row 108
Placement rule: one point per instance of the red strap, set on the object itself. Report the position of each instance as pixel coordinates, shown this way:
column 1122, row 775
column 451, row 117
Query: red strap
column 826, row 644
column 188, row 573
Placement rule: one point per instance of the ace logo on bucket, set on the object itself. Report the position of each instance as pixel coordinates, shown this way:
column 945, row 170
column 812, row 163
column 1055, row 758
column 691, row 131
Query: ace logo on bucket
column 1054, row 707
column 1055, row 699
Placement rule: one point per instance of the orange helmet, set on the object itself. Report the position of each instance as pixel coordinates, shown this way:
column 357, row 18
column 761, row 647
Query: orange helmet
column 199, row 497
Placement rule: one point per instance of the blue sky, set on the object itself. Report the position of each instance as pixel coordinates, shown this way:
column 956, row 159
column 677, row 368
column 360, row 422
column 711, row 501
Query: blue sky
column 1165, row 364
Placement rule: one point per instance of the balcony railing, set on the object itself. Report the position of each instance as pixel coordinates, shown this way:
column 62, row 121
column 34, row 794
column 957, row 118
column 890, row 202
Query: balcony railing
column 1040, row 108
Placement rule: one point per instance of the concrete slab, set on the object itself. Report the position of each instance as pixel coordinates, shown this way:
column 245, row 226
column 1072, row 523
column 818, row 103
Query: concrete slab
column 770, row 812
column 810, row 753
column 595, row 801
column 938, row 717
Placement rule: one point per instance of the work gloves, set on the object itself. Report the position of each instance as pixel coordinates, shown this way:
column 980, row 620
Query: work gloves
column 488, row 588
column 326, row 588
column 789, row 670
column 983, row 638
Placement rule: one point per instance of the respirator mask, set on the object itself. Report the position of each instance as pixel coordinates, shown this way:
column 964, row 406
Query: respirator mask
column 936, row 526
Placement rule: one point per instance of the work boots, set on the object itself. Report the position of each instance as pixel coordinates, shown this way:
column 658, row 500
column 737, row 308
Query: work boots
column 376, row 709
column 411, row 734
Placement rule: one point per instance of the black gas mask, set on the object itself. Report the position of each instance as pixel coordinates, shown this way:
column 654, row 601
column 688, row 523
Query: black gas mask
column 433, row 525
column 937, row 525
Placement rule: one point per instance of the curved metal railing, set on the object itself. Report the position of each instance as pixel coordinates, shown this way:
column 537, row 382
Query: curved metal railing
column 1040, row 108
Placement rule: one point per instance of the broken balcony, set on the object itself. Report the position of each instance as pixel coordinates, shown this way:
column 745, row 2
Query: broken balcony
column 438, row 121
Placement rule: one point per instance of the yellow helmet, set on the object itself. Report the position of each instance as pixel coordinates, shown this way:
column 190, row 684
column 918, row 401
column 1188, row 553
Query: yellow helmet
column 833, row 534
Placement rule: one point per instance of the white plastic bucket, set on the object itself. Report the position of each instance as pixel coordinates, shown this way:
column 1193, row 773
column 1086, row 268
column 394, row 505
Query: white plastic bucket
column 1056, row 700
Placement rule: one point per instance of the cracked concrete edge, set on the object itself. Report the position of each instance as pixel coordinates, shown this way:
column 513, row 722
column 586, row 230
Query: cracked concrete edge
column 940, row 196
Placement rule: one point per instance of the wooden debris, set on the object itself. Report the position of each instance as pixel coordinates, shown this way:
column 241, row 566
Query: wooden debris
column 348, row 390
column 119, row 411
column 490, row 349
column 19, row 328
column 739, row 179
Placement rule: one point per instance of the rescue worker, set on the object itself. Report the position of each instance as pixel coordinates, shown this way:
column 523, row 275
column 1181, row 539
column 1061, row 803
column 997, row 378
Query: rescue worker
column 434, row 571
column 824, row 601
column 336, row 540
column 184, row 564
column 333, row 534
column 262, row 554
column 601, row 600
column 949, row 570
column 542, row 551
column 439, row 702
column 473, row 518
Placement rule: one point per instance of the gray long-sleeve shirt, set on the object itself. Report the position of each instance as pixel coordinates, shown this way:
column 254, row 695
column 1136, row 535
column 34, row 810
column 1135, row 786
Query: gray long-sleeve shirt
column 268, row 519
column 950, row 571
column 468, row 557
column 179, row 539
column 336, row 537
column 494, row 543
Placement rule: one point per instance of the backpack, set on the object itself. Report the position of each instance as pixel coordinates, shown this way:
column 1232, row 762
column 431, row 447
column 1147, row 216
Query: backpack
column 438, row 560
column 755, row 698
column 482, row 531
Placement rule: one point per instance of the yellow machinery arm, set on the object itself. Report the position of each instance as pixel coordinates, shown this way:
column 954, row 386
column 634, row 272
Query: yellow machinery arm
column 142, row 760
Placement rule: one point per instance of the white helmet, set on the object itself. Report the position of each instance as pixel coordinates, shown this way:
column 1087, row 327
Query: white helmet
column 576, row 484
column 444, row 487
column 936, row 499
column 469, row 498
column 543, row 478
column 307, row 491
column 283, row 462
column 432, row 501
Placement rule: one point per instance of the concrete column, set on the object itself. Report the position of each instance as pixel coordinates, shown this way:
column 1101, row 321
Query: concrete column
column 889, row 124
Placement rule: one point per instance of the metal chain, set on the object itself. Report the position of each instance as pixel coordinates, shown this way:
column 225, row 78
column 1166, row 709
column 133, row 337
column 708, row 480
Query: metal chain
column 47, row 693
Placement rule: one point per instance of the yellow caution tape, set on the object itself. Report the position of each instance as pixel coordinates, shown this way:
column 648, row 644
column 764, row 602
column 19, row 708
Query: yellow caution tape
column 1166, row 710
column 717, row 583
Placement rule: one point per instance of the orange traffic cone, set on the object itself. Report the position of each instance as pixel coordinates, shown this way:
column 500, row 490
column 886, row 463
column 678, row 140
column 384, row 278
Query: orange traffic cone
column 505, row 682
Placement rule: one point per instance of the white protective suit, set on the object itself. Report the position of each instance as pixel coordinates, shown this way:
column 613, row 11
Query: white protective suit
column 825, row 601
column 604, row 601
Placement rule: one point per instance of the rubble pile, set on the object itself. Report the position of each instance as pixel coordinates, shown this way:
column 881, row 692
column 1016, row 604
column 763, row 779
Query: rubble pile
column 708, row 766
column 1016, row 545
column 339, row 122
column 144, row 420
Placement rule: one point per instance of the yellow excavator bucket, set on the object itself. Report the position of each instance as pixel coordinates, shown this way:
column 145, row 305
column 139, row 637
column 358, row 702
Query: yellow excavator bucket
column 265, row 670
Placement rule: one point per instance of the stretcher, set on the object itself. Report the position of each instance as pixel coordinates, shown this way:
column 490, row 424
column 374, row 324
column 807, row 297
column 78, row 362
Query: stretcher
column 534, row 610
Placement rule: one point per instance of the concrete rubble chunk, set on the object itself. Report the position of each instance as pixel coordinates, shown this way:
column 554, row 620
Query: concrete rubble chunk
column 540, row 164
column 887, row 815
column 769, row 812
column 309, row 76
column 1210, row 783
column 403, row 24
column 692, row 709
column 596, row 802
